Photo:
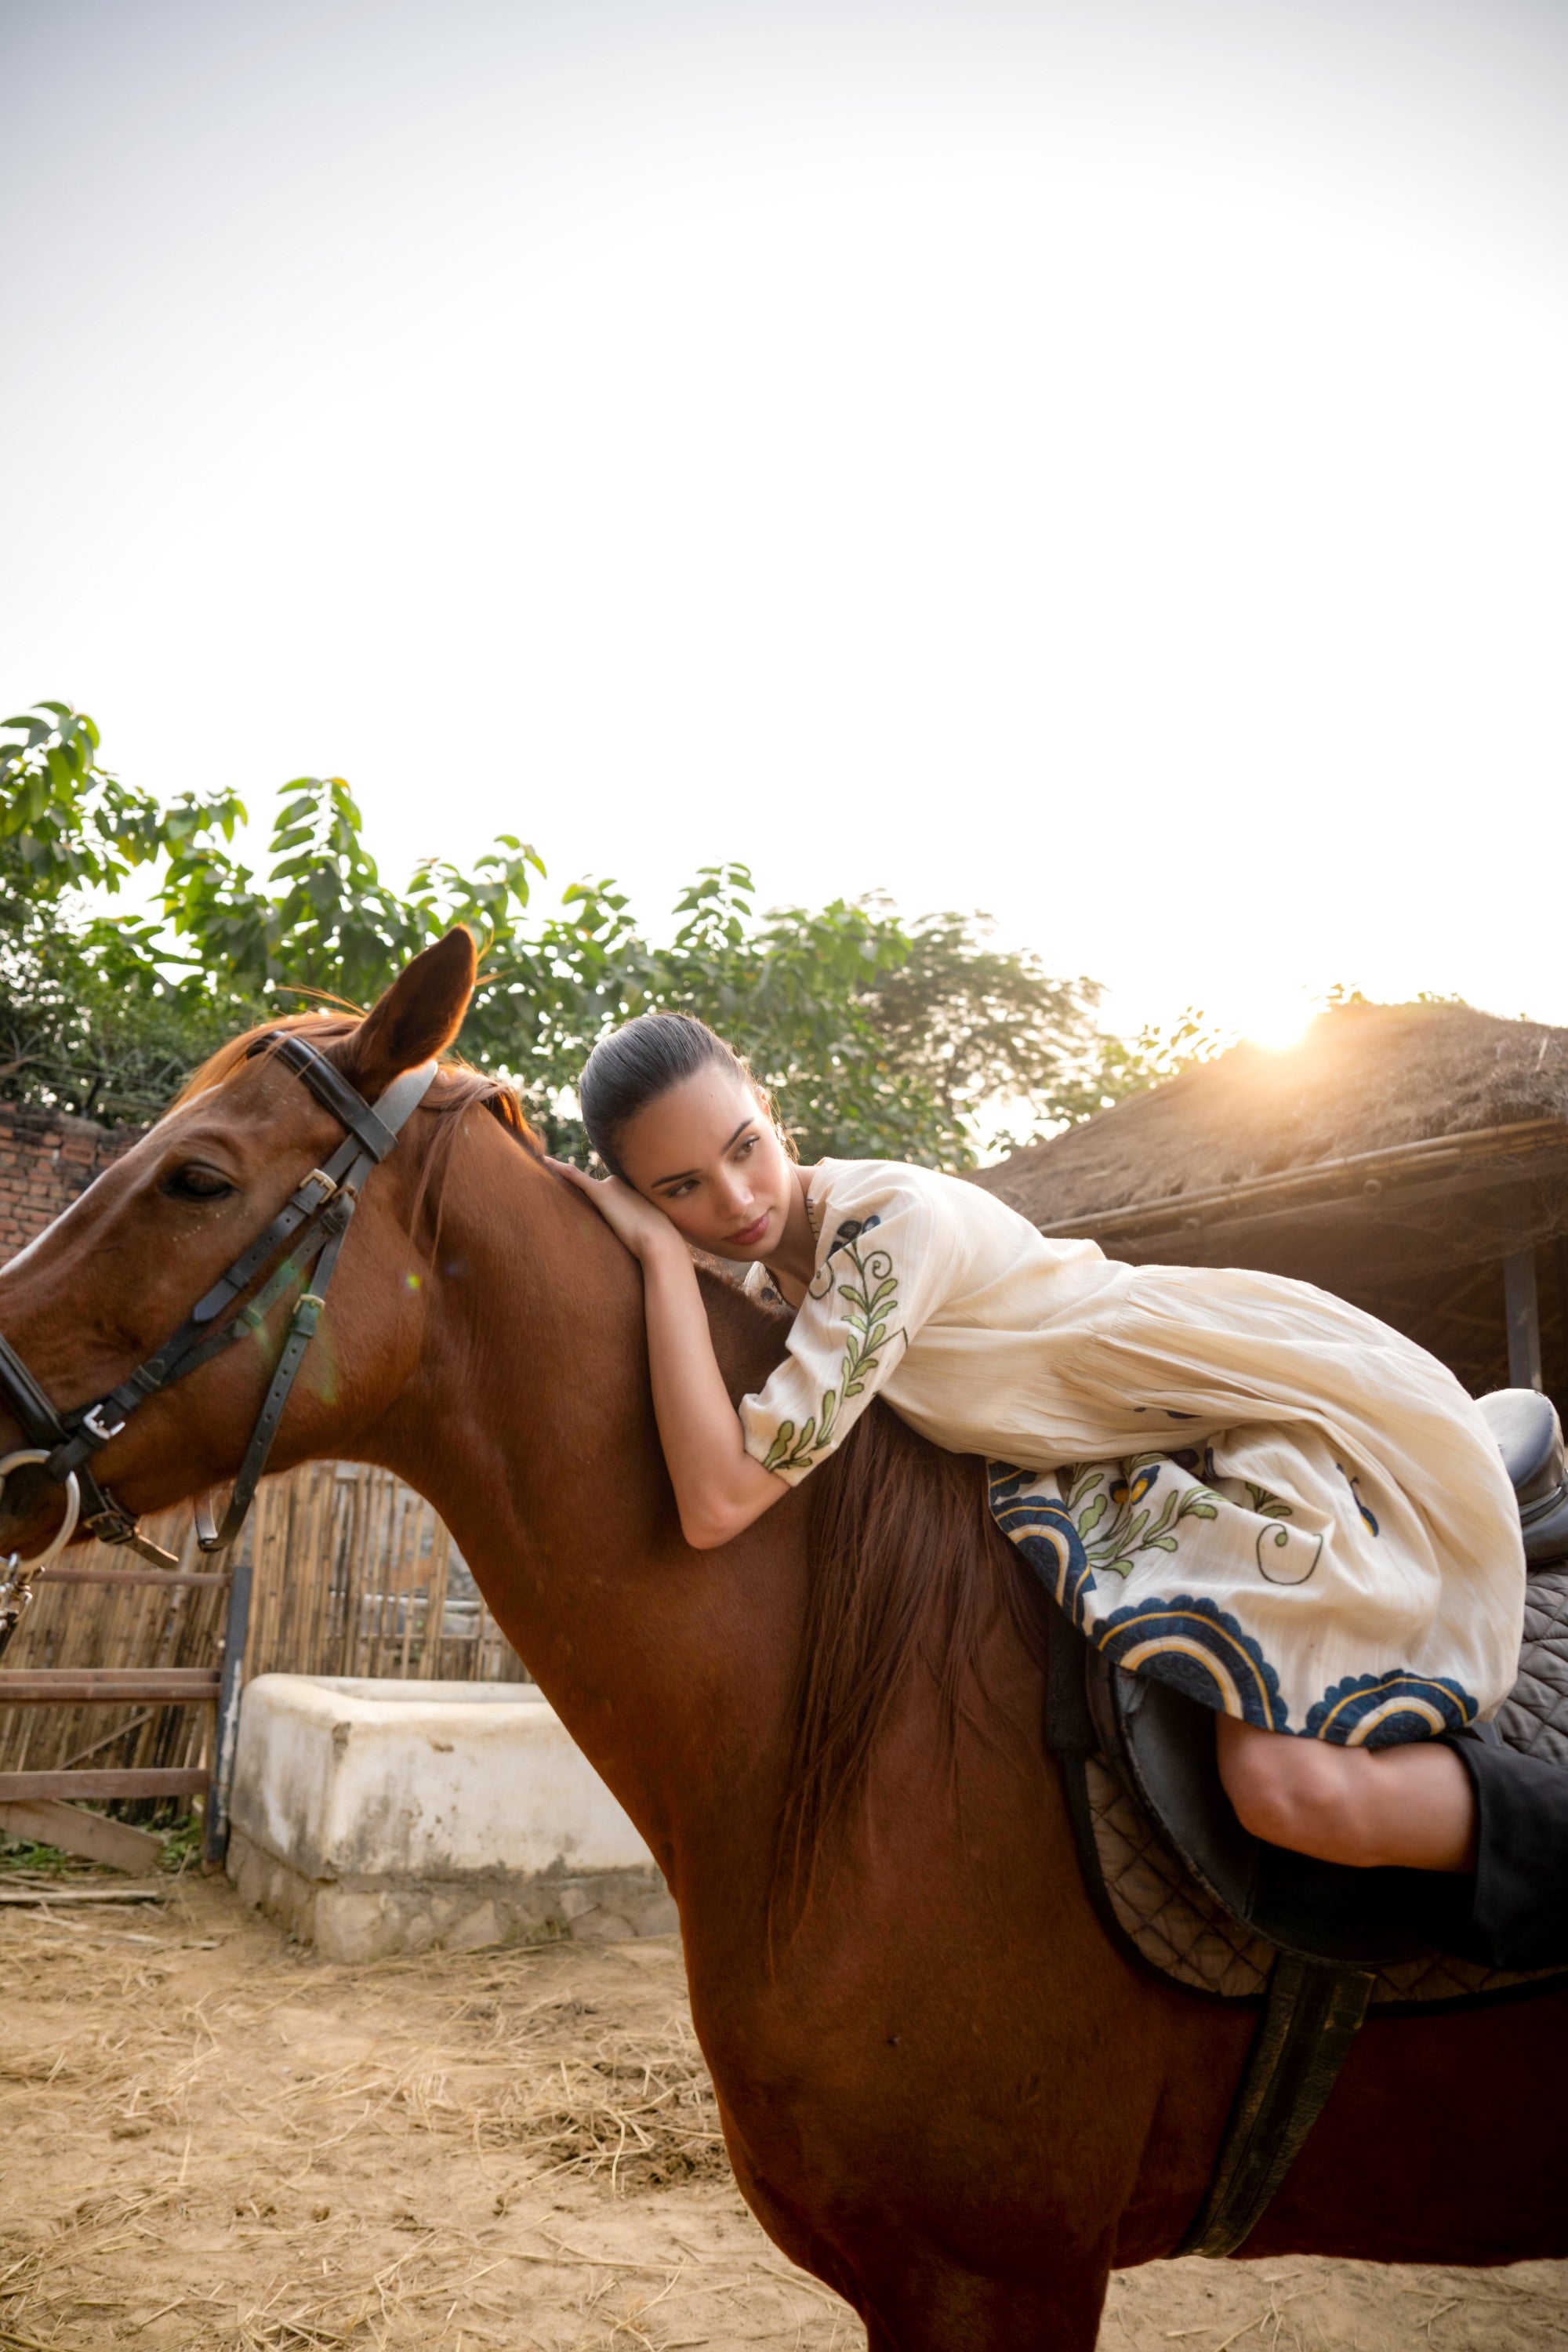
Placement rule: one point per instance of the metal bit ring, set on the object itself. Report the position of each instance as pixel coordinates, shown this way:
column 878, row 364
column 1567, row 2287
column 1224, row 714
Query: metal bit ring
column 67, row 1527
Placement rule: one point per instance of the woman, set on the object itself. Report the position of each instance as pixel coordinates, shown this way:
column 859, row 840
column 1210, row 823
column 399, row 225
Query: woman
column 1252, row 1488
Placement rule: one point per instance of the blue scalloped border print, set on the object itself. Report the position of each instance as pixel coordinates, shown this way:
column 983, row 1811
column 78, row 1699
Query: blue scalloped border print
column 1046, row 1536
column 1202, row 1650
column 1199, row 1649
column 1385, row 1710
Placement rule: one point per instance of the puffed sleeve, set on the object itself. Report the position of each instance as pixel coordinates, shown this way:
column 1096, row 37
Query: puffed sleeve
column 888, row 1261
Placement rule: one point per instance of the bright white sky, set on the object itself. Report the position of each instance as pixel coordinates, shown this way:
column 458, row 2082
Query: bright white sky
column 1102, row 461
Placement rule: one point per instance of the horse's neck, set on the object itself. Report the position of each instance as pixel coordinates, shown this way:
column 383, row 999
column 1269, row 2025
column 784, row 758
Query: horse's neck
column 530, row 1429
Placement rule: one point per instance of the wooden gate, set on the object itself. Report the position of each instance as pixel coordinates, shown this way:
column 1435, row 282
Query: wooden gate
column 115, row 1668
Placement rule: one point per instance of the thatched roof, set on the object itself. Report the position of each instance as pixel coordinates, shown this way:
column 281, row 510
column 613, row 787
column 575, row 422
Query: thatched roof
column 1366, row 1079
column 1398, row 1155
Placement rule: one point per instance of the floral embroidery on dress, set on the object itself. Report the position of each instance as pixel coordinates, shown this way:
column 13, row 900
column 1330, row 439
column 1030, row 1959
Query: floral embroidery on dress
column 1091, row 1491
column 869, row 1289
column 1268, row 1506
column 850, row 1231
column 1285, row 1555
column 1286, row 1558
column 1067, row 1523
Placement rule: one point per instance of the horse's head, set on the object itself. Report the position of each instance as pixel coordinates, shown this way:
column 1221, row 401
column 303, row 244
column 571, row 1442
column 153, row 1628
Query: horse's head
column 110, row 1281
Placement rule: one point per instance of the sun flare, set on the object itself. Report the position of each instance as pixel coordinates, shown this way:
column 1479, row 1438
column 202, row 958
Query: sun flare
column 1277, row 1020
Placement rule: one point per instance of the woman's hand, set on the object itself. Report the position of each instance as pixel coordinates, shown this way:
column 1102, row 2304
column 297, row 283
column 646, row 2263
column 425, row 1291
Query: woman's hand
column 630, row 1218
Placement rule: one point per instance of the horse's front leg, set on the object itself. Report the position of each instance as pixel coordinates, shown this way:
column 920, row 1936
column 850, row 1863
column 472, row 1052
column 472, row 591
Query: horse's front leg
column 914, row 2297
column 934, row 2306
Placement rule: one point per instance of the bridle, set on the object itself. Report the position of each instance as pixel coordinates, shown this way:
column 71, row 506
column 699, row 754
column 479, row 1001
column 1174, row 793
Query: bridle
column 314, row 1221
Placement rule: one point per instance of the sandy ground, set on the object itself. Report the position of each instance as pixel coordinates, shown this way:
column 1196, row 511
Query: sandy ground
column 210, row 2138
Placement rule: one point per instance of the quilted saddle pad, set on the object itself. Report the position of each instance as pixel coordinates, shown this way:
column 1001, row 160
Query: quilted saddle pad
column 1178, row 1927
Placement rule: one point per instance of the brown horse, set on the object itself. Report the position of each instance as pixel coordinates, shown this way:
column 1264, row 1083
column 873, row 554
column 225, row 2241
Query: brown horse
column 943, row 2092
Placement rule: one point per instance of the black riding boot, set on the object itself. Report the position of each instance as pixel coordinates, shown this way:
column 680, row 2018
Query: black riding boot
column 1519, row 1919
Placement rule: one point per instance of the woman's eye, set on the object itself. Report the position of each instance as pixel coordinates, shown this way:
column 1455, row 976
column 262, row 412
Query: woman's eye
column 746, row 1147
column 196, row 1183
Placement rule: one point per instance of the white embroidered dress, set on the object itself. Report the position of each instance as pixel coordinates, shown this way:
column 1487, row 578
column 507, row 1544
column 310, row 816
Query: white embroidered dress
column 1233, row 1481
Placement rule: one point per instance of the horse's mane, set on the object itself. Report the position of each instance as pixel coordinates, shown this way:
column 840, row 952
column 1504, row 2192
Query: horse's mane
column 906, row 1572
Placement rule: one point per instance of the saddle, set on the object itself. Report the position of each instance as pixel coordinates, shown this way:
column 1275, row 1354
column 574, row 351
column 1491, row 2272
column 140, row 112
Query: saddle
column 1529, row 1439
column 1181, row 1886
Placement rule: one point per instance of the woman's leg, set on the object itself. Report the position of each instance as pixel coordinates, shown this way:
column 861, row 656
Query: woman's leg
column 1413, row 1805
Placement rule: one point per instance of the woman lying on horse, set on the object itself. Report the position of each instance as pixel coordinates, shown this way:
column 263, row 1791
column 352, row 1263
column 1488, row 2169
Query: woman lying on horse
column 1252, row 1489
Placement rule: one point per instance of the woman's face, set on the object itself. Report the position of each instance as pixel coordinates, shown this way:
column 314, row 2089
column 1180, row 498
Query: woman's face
column 709, row 1155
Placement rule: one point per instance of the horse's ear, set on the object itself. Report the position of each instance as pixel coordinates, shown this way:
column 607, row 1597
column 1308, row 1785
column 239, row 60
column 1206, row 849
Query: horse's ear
column 420, row 1014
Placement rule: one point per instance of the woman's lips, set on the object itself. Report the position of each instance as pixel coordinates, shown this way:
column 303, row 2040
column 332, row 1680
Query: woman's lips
column 749, row 1235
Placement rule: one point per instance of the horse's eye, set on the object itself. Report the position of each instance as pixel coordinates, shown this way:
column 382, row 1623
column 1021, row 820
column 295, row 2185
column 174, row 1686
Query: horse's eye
column 196, row 1183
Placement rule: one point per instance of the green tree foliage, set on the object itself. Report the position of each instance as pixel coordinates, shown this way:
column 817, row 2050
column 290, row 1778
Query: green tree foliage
column 66, row 823
column 86, row 1023
column 876, row 1037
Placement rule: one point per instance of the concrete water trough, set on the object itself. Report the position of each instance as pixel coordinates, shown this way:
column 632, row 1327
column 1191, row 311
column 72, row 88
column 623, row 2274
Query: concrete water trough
column 373, row 1817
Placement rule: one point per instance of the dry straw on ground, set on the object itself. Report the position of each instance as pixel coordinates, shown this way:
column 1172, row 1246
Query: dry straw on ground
column 212, row 2142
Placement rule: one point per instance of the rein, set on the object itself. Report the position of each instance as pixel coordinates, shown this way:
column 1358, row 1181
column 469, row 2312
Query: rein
column 314, row 1220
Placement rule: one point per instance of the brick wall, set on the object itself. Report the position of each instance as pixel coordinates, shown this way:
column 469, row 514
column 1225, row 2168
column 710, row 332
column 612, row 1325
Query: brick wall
column 46, row 1159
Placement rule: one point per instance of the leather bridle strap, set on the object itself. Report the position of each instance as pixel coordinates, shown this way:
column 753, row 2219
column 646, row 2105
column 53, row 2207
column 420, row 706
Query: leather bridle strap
column 401, row 1097
column 371, row 1137
column 318, row 1213
column 37, row 1416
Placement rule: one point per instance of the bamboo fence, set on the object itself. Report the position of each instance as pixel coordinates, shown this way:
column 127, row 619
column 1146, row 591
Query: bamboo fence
column 355, row 1574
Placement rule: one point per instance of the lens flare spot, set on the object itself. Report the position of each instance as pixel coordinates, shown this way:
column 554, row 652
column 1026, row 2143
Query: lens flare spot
column 411, row 1282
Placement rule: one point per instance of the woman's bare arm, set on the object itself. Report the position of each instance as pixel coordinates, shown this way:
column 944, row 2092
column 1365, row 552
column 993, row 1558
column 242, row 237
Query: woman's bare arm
column 719, row 1488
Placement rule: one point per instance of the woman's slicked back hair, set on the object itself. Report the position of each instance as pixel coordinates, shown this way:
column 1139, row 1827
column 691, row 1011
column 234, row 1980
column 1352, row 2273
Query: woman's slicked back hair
column 637, row 1063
